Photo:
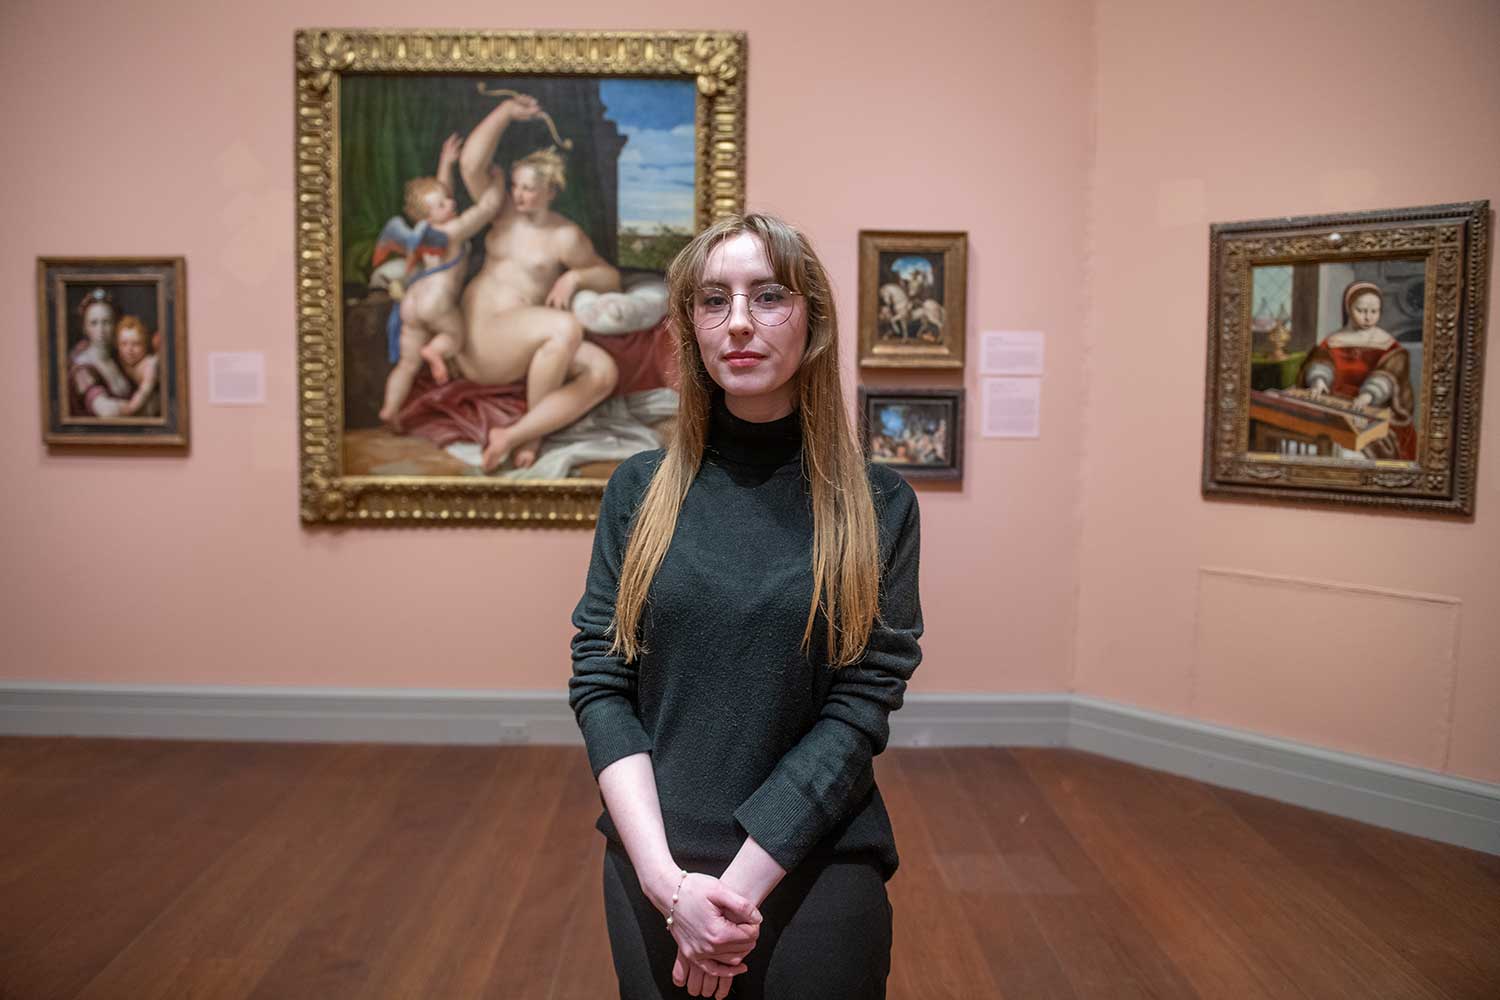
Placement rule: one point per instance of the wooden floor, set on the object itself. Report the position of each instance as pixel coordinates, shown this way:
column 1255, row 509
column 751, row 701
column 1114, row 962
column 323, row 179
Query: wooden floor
column 138, row 870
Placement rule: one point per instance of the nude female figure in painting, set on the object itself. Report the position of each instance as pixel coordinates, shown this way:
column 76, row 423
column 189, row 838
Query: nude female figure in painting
column 516, row 309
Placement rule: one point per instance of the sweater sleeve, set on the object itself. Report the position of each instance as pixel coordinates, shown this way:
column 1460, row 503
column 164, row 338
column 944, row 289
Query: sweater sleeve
column 602, row 689
column 823, row 776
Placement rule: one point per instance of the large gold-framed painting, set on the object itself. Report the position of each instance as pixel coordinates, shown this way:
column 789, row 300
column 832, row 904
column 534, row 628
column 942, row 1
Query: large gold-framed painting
column 1345, row 358
column 484, row 224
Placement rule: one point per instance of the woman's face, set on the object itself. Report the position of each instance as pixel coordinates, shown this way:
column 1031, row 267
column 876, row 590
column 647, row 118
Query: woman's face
column 529, row 190
column 1364, row 311
column 99, row 324
column 130, row 345
column 754, row 363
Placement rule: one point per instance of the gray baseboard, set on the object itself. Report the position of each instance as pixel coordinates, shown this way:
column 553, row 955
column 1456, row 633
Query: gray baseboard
column 981, row 720
column 1425, row 803
column 286, row 714
column 1408, row 799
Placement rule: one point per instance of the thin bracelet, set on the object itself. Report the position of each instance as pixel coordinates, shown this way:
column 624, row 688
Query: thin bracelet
column 675, row 893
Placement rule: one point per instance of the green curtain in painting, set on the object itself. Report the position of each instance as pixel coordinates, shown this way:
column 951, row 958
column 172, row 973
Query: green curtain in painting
column 391, row 129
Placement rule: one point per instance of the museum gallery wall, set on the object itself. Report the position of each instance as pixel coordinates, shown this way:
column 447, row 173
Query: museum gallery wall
column 1085, row 212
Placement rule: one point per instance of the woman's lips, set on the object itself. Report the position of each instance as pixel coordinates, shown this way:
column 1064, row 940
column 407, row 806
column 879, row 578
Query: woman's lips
column 743, row 360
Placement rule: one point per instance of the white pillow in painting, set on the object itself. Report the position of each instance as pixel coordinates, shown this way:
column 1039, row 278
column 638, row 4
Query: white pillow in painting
column 639, row 308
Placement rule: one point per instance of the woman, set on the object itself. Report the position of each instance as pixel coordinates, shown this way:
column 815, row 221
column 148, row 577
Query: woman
column 1362, row 362
column 732, row 718
column 96, row 385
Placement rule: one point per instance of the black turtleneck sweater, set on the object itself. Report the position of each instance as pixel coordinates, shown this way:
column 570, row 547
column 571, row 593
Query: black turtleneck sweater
column 747, row 733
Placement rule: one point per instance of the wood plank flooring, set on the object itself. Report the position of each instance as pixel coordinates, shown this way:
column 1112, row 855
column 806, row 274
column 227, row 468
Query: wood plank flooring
column 142, row 870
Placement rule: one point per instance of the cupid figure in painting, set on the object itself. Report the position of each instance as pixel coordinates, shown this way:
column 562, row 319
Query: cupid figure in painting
column 428, row 325
column 1364, row 363
column 133, row 346
column 516, row 308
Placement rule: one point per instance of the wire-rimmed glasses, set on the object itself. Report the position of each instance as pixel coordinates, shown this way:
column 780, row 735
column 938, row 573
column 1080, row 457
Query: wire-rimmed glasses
column 770, row 304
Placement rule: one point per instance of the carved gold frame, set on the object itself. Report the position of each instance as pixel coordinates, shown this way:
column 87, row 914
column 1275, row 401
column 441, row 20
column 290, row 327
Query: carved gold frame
column 715, row 61
column 1454, row 242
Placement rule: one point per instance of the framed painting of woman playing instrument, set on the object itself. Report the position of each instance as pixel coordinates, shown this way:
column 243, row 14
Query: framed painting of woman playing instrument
column 485, row 223
column 1344, row 360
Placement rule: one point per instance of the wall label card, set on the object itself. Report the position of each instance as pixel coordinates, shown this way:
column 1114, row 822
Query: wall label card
column 237, row 378
column 1011, row 352
column 1012, row 407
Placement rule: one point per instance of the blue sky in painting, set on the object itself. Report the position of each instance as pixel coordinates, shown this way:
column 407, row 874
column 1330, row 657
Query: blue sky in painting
column 903, row 265
column 656, row 165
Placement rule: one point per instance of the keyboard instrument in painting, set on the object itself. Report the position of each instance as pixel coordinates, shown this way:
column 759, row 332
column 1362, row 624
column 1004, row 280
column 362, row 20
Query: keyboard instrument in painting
column 1304, row 422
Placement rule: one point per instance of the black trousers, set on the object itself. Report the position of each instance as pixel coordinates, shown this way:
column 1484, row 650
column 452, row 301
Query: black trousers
column 825, row 932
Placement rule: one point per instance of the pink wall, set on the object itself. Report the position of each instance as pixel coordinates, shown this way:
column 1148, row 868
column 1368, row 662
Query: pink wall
column 166, row 129
column 1084, row 147
column 1365, row 632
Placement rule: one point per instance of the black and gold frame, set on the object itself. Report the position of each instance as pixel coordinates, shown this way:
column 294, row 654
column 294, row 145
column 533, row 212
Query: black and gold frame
column 917, row 432
column 113, row 350
column 1345, row 358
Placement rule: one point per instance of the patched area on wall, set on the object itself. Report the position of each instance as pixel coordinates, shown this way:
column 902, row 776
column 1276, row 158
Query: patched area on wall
column 1339, row 665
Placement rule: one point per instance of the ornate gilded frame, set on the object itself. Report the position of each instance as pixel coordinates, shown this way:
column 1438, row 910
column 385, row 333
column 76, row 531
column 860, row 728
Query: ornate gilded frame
column 716, row 61
column 1453, row 241
column 954, row 248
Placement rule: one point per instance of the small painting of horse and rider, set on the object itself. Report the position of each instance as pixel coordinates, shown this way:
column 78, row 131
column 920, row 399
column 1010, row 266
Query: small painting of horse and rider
column 911, row 299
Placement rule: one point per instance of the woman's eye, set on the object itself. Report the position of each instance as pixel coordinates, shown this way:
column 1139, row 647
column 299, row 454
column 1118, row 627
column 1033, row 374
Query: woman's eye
column 771, row 296
column 713, row 300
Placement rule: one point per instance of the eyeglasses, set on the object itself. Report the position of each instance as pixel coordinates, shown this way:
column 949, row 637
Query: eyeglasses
column 770, row 305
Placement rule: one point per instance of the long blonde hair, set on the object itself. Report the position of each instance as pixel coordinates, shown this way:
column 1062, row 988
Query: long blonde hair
column 846, row 545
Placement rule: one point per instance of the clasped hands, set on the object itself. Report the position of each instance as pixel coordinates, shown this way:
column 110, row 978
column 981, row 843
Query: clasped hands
column 715, row 928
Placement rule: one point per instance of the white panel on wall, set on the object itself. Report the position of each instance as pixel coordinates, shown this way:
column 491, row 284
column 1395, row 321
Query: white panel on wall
column 1338, row 665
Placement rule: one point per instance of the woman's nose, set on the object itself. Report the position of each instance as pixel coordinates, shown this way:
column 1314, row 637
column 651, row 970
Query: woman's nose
column 739, row 314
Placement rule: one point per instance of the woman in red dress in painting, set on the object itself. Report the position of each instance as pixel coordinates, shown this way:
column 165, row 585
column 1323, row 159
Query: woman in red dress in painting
column 1366, row 364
